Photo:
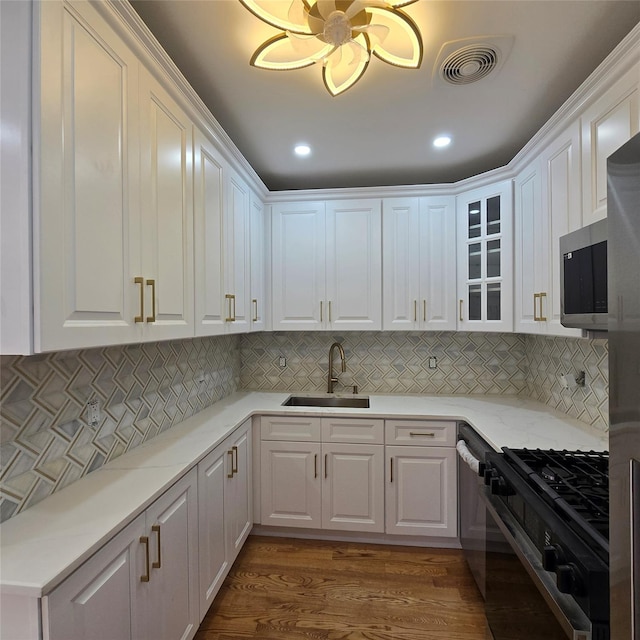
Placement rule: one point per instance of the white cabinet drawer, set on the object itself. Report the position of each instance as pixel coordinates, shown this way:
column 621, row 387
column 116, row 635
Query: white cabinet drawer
column 297, row 428
column 428, row 433
column 355, row 430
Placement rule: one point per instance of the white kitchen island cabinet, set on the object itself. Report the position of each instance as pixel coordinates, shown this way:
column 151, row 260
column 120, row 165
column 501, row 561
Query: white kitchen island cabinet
column 336, row 484
column 419, row 266
column 421, row 487
column 327, row 265
column 142, row 584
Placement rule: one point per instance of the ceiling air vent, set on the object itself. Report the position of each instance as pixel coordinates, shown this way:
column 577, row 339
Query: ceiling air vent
column 469, row 64
column 465, row 61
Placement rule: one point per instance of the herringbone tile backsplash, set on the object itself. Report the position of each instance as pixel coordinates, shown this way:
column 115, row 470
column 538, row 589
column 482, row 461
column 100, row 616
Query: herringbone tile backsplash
column 46, row 441
column 386, row 362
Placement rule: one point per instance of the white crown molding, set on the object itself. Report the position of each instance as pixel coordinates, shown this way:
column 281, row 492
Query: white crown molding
column 624, row 57
column 619, row 61
column 151, row 50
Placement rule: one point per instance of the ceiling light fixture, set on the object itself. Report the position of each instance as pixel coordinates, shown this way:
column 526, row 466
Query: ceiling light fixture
column 302, row 149
column 442, row 141
column 340, row 35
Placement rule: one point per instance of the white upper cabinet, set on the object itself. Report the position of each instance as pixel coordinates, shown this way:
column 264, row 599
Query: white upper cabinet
column 114, row 223
column 167, row 208
column 209, row 248
column 237, row 256
column 419, row 266
column 607, row 124
column 327, row 265
column 87, row 228
column 222, row 204
column 531, row 253
column 561, row 208
column 485, row 259
column 298, row 271
column 354, row 265
column 258, row 264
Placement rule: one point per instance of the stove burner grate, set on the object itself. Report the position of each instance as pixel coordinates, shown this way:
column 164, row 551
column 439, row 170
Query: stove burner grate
column 574, row 483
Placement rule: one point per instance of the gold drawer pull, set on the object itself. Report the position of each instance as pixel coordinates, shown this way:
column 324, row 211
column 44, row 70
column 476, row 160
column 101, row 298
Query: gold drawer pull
column 140, row 281
column 234, row 450
column 541, row 317
column 320, row 310
column 232, row 309
column 152, row 284
column 145, row 541
column 424, row 310
column 230, row 474
column 417, row 433
column 158, row 563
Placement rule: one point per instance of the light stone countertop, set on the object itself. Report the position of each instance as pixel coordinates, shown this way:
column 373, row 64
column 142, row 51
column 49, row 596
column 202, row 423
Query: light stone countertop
column 44, row 544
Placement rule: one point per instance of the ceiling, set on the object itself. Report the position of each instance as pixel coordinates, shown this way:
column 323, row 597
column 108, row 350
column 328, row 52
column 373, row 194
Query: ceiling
column 380, row 131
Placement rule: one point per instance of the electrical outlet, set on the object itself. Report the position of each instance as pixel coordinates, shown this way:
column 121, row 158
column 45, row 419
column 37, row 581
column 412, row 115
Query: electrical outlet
column 282, row 362
column 93, row 412
column 433, row 362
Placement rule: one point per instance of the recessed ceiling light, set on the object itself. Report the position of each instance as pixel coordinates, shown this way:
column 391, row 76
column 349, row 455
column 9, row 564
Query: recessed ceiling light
column 442, row 141
column 302, row 149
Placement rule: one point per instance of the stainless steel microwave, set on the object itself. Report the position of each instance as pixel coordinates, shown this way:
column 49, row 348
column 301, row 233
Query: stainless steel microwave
column 583, row 278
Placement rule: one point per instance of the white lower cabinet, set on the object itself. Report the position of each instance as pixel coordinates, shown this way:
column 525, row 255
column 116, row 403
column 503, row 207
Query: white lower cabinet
column 421, row 488
column 336, row 474
column 353, row 487
column 156, row 579
column 142, row 584
column 224, row 508
column 335, row 484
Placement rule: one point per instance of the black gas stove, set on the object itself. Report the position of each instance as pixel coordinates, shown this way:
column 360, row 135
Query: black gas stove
column 561, row 501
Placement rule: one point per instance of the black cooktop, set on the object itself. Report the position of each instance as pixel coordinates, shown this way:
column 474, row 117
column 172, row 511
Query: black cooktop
column 574, row 483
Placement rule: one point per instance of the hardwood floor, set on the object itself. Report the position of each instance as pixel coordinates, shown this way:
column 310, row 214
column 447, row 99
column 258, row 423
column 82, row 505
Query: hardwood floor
column 281, row 588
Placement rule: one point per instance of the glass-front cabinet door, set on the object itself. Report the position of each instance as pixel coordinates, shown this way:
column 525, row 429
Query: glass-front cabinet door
column 485, row 258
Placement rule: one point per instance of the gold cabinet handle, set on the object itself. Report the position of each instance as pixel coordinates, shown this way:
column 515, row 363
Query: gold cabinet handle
column 320, row 310
column 424, row 311
column 158, row 563
column 414, row 434
column 542, row 318
column 329, row 310
column 145, row 541
column 234, row 467
column 315, row 465
column 535, row 307
column 229, row 297
column 140, row 281
column 233, row 301
column 255, row 306
column 415, row 310
column 391, row 469
column 230, row 474
column 325, row 464
column 460, row 310
column 152, row 284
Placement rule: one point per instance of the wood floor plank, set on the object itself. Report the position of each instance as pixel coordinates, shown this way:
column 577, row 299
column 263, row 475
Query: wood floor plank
column 293, row 589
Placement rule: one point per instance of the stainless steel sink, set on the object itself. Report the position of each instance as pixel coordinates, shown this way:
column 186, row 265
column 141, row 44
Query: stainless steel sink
column 351, row 402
